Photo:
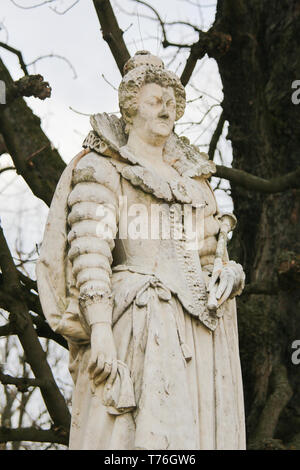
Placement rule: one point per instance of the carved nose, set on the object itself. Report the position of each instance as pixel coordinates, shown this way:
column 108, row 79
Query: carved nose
column 164, row 113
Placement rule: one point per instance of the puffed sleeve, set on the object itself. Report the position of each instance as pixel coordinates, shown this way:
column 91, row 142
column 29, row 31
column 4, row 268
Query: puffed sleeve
column 93, row 222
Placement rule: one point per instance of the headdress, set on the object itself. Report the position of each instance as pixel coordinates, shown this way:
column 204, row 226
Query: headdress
column 145, row 68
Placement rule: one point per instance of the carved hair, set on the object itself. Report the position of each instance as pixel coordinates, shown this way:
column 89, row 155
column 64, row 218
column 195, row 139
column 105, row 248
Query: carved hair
column 134, row 80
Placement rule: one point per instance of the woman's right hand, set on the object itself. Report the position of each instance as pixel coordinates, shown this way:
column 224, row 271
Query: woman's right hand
column 103, row 353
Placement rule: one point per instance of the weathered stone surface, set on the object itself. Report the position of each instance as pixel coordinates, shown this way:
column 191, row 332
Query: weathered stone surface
column 125, row 278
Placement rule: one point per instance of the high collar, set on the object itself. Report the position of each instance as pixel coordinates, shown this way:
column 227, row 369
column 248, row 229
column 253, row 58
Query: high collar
column 109, row 139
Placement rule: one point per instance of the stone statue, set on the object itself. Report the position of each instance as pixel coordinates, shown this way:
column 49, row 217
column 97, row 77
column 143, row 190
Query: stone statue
column 150, row 316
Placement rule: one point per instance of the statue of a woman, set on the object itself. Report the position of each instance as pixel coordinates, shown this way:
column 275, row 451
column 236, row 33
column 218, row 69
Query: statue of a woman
column 153, row 366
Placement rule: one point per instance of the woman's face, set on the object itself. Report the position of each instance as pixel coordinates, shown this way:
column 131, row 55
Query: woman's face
column 156, row 113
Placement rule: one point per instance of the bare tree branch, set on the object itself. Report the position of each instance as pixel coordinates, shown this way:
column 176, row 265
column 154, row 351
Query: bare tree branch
column 7, row 330
column 112, row 33
column 35, row 355
column 212, row 5
column 3, row 148
column 108, row 82
column 4, row 28
column 214, row 43
column 33, row 435
column 66, row 10
column 161, row 22
column 216, row 135
column 275, row 403
column 22, row 383
column 32, row 6
column 8, row 168
column 18, row 54
column 55, row 56
column 254, row 183
column 43, row 330
column 165, row 42
column 29, row 283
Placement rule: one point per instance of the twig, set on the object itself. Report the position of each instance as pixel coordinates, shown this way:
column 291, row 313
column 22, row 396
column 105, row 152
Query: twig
column 198, row 123
column 212, row 5
column 66, row 10
column 157, row 16
column 4, row 28
column 32, row 6
column 18, row 54
column 216, row 135
column 34, row 154
column 108, row 82
column 206, row 129
column 55, row 56
column 78, row 112
column 204, row 93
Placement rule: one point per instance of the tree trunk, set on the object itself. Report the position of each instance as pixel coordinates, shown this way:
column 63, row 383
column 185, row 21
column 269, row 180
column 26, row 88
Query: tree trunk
column 34, row 157
column 257, row 74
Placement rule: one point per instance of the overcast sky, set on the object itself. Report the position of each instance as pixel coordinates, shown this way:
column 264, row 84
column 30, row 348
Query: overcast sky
column 86, row 79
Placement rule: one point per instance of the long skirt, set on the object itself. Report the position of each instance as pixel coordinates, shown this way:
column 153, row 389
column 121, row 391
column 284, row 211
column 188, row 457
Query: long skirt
column 186, row 382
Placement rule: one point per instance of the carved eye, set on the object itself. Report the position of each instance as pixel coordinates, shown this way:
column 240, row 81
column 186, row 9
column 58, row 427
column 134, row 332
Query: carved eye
column 152, row 102
column 171, row 104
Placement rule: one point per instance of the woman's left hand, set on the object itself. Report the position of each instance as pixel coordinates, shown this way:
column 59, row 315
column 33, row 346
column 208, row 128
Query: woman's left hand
column 227, row 278
column 226, row 283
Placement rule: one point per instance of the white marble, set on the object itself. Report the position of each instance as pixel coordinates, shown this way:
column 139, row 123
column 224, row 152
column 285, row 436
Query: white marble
column 153, row 336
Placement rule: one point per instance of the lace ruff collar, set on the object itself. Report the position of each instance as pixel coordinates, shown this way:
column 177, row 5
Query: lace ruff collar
column 109, row 139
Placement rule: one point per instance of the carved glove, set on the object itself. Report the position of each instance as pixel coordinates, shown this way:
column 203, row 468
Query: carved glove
column 231, row 281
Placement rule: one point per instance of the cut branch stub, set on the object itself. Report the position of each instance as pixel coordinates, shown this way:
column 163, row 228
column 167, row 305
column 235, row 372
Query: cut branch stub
column 217, row 43
column 30, row 85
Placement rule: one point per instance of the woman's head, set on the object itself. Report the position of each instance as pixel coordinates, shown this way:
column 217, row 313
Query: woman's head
column 144, row 69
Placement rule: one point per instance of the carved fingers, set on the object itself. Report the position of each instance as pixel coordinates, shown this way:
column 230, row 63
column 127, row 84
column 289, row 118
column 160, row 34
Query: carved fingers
column 221, row 285
column 226, row 284
column 103, row 355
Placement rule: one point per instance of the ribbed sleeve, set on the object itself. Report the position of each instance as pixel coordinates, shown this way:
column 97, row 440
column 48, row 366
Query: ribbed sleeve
column 93, row 222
